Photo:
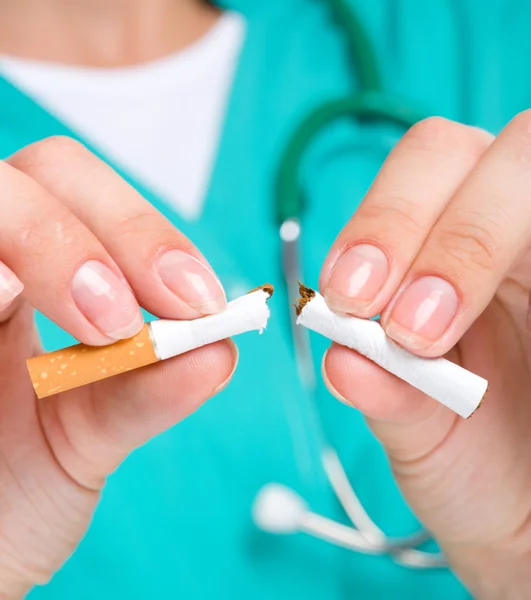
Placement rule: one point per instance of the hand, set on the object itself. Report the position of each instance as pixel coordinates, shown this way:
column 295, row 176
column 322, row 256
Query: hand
column 87, row 249
column 440, row 248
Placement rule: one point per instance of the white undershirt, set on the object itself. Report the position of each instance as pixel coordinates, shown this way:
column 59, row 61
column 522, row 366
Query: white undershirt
column 161, row 121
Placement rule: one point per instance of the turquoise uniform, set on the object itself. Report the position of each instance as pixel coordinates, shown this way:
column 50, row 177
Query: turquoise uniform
column 175, row 519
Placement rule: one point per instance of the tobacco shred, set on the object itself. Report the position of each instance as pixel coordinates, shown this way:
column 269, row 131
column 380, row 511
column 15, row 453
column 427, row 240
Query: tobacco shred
column 480, row 403
column 267, row 287
column 306, row 295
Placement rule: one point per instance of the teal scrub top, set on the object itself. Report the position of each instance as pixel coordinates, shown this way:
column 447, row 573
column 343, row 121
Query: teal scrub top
column 175, row 519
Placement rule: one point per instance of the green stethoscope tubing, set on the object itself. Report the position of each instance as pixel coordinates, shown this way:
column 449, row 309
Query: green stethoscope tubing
column 369, row 102
column 367, row 105
column 361, row 51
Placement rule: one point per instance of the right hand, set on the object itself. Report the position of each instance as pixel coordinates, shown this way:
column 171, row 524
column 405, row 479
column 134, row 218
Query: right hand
column 441, row 249
column 84, row 248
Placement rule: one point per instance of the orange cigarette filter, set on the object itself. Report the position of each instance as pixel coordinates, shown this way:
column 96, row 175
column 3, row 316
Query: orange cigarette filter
column 79, row 365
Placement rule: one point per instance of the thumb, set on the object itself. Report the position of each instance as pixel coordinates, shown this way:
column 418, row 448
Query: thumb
column 423, row 440
column 410, row 425
column 92, row 429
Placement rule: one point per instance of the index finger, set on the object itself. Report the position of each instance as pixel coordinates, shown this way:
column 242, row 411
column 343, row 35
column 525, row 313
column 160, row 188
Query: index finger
column 374, row 251
column 67, row 274
column 167, row 272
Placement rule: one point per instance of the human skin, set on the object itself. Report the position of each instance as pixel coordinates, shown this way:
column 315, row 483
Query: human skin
column 450, row 203
column 440, row 248
column 83, row 247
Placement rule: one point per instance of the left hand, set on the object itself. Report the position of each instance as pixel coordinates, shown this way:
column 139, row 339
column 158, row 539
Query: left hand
column 440, row 248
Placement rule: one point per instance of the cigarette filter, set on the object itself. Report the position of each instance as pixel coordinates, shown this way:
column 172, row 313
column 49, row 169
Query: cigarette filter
column 79, row 365
column 455, row 387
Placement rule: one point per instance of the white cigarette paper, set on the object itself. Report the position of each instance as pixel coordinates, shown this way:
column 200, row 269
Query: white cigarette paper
column 247, row 313
column 448, row 383
column 79, row 365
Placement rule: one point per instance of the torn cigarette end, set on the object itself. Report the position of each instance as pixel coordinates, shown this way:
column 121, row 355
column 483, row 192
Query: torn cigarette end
column 80, row 365
column 268, row 288
column 448, row 383
column 480, row 403
column 306, row 295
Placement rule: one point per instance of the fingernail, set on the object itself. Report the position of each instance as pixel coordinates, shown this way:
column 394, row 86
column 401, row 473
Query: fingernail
column 10, row 286
column 192, row 282
column 328, row 384
column 422, row 312
column 236, row 355
column 106, row 301
column 357, row 277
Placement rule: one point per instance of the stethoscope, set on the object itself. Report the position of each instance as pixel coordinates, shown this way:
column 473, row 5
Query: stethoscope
column 277, row 508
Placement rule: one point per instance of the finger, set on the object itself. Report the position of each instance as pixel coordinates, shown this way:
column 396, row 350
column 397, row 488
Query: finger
column 168, row 274
column 10, row 289
column 374, row 251
column 485, row 229
column 434, row 454
column 91, row 432
column 408, row 422
column 67, row 274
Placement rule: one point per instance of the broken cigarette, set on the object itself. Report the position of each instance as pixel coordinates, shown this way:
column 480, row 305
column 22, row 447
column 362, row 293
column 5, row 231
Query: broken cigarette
column 79, row 365
column 448, row 383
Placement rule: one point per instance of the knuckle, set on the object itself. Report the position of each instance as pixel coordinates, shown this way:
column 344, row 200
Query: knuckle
column 438, row 133
column 431, row 126
column 147, row 230
column 521, row 124
column 400, row 213
column 431, row 131
column 58, row 143
column 139, row 222
column 515, row 140
column 518, row 134
column 41, row 235
column 476, row 243
column 46, row 150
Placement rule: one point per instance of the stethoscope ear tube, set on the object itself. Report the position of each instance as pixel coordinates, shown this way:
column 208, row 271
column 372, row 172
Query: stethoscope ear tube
column 290, row 232
column 278, row 509
column 403, row 549
column 366, row 537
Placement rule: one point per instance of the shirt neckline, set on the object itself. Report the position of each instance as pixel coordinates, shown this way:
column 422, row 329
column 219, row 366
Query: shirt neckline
column 185, row 64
